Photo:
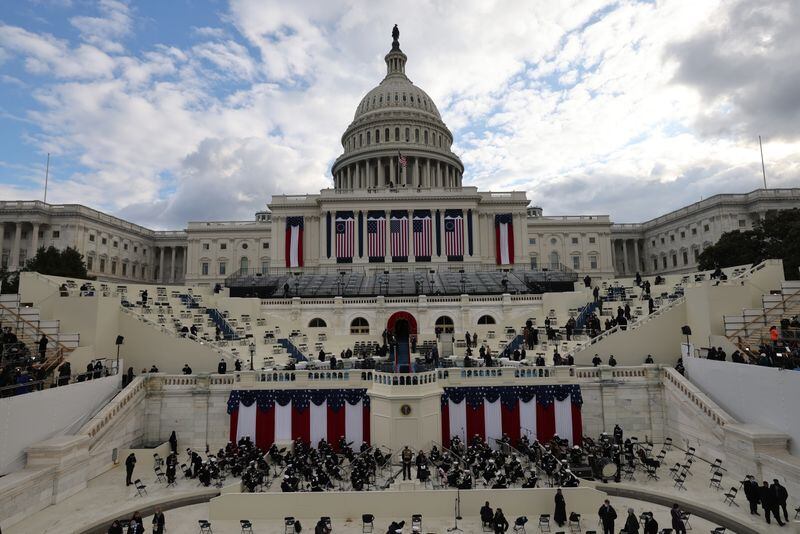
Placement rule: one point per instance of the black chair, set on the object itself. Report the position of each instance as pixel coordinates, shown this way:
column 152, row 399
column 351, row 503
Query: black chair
column 797, row 512
column 247, row 526
column 141, row 490
column 679, row 482
column 574, row 523
column 730, row 497
column 519, row 524
column 544, row 523
column 719, row 530
column 686, row 516
column 668, row 444
column 367, row 523
column 160, row 476
column 716, row 480
column 288, row 525
column 416, row 522
column 205, row 527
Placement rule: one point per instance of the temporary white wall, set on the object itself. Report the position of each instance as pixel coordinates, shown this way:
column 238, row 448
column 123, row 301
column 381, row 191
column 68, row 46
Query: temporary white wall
column 755, row 395
column 53, row 411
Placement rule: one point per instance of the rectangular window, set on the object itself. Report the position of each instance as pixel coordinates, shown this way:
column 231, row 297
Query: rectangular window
column 133, row 271
column 672, row 237
column 742, row 223
column 264, row 267
column 674, row 260
column 40, row 233
column 125, row 246
column 89, row 263
column 653, row 243
column 694, row 231
column 204, row 269
column 576, row 263
column 531, row 240
column 662, row 240
column 705, row 228
column 135, row 249
column 102, row 265
column 664, row 261
column 265, row 245
column 222, row 268
column 574, row 240
column 592, row 240
column 113, row 267
column 91, row 237
column 206, row 246
column 655, row 264
column 683, row 235
column 696, row 254
column 534, row 263
column 124, row 269
column 593, row 261
column 56, row 234
column 144, row 252
column 115, row 244
column 223, row 246
column 104, row 241
column 685, row 258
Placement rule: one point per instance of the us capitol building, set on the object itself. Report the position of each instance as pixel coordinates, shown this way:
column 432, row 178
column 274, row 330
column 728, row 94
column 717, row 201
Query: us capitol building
column 398, row 203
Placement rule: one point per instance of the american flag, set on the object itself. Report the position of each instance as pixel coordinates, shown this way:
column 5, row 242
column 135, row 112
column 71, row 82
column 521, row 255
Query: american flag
column 454, row 235
column 376, row 236
column 423, row 246
column 345, row 231
column 402, row 159
column 399, row 234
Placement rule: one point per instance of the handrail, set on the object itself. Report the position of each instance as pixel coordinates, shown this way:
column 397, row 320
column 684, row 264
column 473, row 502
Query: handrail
column 697, row 397
column 38, row 330
column 763, row 315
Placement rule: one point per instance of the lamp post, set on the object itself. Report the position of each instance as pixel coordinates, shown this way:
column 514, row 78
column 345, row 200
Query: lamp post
column 252, row 354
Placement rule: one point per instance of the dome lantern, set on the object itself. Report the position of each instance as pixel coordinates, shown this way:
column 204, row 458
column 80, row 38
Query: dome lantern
column 395, row 59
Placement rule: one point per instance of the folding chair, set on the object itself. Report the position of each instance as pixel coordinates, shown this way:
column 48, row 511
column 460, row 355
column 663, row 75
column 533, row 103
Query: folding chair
column 716, row 480
column 627, row 472
column 574, row 523
column 205, row 527
column 674, row 470
column 686, row 516
column 367, row 523
column 797, row 512
column 679, row 482
column 544, row 523
column 719, row 530
column 140, row 488
column 247, row 526
column 416, row 523
column 288, row 525
column 661, row 456
column 160, row 476
column 715, row 465
column 519, row 524
column 730, row 497
column 668, row 444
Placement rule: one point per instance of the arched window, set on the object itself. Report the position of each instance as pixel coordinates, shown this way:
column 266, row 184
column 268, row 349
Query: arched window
column 386, row 134
column 244, row 263
column 397, row 134
column 486, row 319
column 445, row 324
column 377, row 136
column 359, row 326
column 369, row 138
column 316, row 322
column 554, row 260
column 416, row 135
column 426, row 137
column 360, row 140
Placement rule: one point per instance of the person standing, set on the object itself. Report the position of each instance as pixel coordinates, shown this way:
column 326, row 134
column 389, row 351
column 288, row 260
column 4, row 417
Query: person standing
column 43, row 347
column 172, row 464
column 500, row 522
column 222, row 366
column 130, row 463
column 631, row 523
column 677, row 519
column 781, row 496
column 407, row 456
column 136, row 526
column 768, row 503
column 173, row 442
column 751, row 493
column 607, row 517
column 560, row 513
column 467, row 338
column 158, row 521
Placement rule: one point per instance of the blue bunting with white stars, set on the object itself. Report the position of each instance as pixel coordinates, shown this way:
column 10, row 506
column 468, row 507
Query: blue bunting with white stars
column 509, row 395
column 266, row 398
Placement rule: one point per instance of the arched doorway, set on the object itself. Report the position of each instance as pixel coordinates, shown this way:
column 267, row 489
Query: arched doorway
column 402, row 326
column 408, row 322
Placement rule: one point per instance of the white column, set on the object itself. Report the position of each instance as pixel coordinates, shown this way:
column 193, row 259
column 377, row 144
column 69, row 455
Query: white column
column 323, row 250
column 427, row 181
column 636, row 255
column 13, row 262
column 625, row 256
column 380, row 173
column 172, row 267
column 392, row 177
column 410, row 228
column 417, row 178
column 2, row 240
column 388, row 243
column 34, row 241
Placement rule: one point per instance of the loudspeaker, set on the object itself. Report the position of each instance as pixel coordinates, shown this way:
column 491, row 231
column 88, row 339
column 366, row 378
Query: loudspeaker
column 686, row 331
column 119, row 341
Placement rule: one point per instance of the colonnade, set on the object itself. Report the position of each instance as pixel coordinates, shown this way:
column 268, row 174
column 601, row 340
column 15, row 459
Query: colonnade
column 171, row 263
column 380, row 172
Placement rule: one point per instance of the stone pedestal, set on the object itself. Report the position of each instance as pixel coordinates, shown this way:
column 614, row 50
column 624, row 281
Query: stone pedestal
column 406, row 414
column 744, row 446
column 67, row 456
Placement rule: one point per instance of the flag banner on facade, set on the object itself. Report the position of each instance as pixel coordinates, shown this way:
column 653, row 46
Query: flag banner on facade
column 438, row 234
column 294, row 242
column 454, row 235
column 360, row 234
column 399, row 235
column 504, row 238
column 328, row 233
column 376, row 236
column 538, row 412
column 423, row 236
column 402, row 160
column 345, row 236
column 469, row 232
column 270, row 416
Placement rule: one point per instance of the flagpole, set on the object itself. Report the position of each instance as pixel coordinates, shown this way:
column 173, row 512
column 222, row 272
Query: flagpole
column 47, row 176
column 763, row 169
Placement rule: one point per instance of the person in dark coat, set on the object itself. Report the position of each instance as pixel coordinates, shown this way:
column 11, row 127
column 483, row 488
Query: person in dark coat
column 631, row 523
column 172, row 465
column 768, row 503
column 173, row 442
column 130, row 463
column 158, row 521
column 499, row 522
column 781, row 496
column 222, row 367
column 618, row 434
column 560, row 514
column 607, row 516
column 677, row 520
column 43, row 347
column 487, row 514
column 136, row 526
column 115, row 528
column 751, row 493
column 650, row 525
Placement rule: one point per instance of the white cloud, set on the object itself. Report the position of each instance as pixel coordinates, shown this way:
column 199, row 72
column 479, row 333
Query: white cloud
column 575, row 102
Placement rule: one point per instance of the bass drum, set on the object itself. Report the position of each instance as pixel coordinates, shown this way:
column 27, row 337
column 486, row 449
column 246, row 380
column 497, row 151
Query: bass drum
column 608, row 469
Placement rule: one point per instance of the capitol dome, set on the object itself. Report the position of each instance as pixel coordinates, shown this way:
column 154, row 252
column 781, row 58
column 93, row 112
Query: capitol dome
column 397, row 137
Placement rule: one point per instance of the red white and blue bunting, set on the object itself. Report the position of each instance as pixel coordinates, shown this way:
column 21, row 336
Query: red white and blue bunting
column 538, row 412
column 280, row 416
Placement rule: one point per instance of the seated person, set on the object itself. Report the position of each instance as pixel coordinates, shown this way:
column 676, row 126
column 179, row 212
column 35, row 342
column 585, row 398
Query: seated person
column 487, row 514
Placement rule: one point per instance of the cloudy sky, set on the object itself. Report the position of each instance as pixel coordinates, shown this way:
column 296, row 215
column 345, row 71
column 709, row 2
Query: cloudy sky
column 169, row 111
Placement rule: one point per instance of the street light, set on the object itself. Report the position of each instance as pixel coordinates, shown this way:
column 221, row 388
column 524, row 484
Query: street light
column 252, row 354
